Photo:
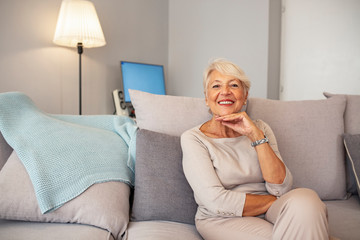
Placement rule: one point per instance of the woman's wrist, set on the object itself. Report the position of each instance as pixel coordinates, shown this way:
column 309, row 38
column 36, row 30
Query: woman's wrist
column 258, row 135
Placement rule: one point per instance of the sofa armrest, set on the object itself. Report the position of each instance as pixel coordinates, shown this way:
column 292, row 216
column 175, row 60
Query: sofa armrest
column 5, row 151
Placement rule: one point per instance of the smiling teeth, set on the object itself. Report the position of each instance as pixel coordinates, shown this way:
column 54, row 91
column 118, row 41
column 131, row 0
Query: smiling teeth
column 225, row 102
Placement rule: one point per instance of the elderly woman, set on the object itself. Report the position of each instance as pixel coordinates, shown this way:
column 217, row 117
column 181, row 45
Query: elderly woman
column 240, row 182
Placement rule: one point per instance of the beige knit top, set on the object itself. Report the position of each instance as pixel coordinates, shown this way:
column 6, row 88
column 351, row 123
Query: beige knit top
column 222, row 170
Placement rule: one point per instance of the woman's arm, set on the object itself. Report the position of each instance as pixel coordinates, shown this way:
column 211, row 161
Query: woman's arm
column 273, row 169
column 257, row 204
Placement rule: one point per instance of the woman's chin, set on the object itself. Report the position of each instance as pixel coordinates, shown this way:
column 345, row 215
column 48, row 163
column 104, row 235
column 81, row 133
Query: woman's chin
column 224, row 113
column 216, row 115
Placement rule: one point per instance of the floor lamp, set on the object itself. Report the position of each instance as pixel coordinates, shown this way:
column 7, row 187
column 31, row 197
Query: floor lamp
column 78, row 26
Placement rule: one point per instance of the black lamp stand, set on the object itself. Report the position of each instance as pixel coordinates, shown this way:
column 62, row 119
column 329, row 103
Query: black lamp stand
column 80, row 51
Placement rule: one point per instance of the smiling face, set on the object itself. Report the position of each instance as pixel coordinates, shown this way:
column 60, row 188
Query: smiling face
column 225, row 94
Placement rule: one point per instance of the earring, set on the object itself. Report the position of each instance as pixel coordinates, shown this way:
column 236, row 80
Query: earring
column 245, row 103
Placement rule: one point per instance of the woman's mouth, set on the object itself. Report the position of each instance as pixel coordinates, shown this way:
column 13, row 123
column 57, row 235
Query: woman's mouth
column 226, row 102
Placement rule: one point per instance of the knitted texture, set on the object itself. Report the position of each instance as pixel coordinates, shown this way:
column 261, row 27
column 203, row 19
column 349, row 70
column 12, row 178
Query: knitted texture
column 64, row 154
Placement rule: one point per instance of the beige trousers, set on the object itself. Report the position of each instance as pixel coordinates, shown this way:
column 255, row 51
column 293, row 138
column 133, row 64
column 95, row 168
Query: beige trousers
column 298, row 214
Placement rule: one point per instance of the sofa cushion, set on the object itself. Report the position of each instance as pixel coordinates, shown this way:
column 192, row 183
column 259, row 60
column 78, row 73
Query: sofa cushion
column 19, row 230
column 168, row 114
column 309, row 136
column 161, row 230
column 161, row 189
column 105, row 205
column 352, row 146
column 344, row 218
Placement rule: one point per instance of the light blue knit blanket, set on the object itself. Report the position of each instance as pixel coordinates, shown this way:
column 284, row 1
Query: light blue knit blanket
column 63, row 154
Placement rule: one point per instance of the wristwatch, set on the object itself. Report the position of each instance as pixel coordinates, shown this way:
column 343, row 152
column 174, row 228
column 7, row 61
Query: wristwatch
column 261, row 141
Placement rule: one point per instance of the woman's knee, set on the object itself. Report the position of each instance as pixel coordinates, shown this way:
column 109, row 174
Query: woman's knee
column 305, row 201
column 305, row 196
column 300, row 211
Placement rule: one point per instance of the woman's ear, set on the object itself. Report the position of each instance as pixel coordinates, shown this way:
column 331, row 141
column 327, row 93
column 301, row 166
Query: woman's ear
column 206, row 99
column 243, row 109
column 246, row 97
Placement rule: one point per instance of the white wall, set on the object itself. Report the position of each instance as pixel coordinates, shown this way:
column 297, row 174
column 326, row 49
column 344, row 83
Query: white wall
column 204, row 29
column 320, row 51
column 135, row 30
column 180, row 34
column 320, row 48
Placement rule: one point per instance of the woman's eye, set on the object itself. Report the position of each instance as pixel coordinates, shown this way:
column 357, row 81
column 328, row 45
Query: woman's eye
column 234, row 85
column 216, row 86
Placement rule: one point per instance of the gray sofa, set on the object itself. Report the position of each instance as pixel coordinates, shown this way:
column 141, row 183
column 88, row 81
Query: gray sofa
column 310, row 136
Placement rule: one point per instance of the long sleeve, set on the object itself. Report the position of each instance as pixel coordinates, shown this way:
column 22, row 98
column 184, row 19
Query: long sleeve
column 221, row 171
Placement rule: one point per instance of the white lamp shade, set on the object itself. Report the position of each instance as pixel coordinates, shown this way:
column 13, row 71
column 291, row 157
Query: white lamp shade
column 78, row 23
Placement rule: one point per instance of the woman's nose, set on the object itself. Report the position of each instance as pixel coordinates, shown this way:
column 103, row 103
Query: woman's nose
column 225, row 90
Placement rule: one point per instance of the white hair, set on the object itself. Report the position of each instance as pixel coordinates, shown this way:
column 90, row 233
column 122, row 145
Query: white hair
column 227, row 68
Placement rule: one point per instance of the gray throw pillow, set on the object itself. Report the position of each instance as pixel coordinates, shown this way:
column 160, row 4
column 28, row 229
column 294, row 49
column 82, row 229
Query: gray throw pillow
column 352, row 126
column 168, row 114
column 352, row 145
column 352, row 113
column 161, row 189
column 5, row 151
column 309, row 136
